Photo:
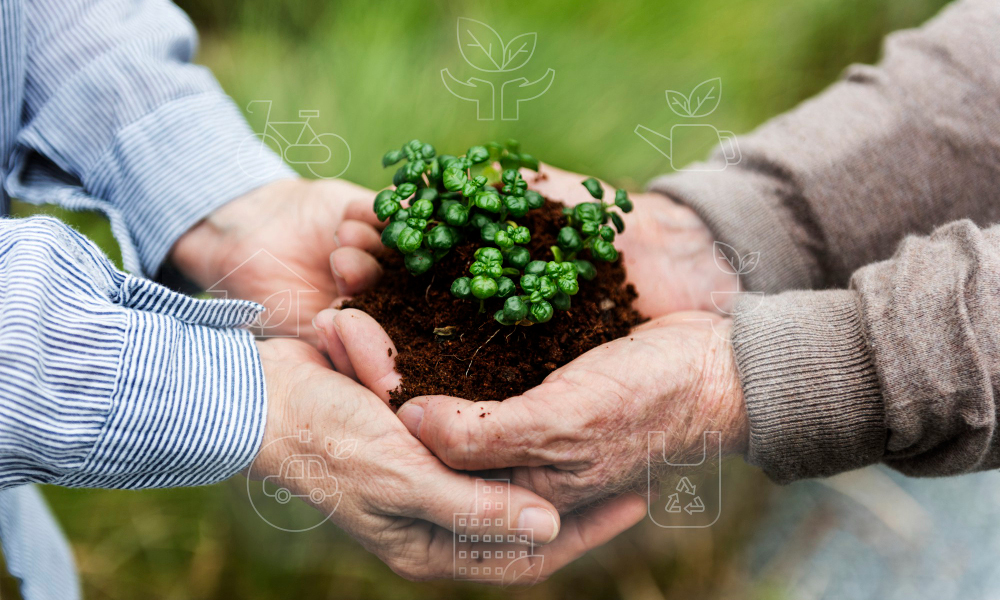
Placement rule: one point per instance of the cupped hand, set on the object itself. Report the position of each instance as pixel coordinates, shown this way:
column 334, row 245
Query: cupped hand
column 581, row 435
column 667, row 249
column 293, row 245
column 397, row 499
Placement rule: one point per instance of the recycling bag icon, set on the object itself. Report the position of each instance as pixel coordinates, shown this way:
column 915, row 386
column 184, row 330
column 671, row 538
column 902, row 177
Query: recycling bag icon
column 684, row 495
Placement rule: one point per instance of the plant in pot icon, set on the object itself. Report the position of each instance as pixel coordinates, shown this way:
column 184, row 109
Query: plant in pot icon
column 701, row 102
column 728, row 260
column 312, row 477
column 693, row 135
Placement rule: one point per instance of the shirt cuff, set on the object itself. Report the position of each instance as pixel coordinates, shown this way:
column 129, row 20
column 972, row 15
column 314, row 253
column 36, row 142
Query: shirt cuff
column 174, row 166
column 741, row 208
column 812, row 392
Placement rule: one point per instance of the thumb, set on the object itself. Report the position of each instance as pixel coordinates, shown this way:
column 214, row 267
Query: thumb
column 358, row 345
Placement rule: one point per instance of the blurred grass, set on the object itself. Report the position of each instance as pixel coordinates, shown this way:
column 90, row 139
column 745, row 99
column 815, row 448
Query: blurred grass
column 372, row 69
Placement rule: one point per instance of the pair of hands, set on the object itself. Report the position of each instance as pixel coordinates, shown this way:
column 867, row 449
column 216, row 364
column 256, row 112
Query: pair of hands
column 576, row 439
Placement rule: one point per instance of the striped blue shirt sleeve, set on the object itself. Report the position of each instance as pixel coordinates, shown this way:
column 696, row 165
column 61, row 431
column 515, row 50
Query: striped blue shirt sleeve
column 116, row 118
column 110, row 380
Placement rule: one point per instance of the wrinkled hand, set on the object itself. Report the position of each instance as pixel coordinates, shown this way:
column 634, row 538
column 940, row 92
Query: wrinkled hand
column 667, row 248
column 398, row 500
column 581, row 435
column 294, row 245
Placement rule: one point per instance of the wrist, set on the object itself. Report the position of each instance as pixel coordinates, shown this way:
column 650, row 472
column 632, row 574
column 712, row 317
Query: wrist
column 202, row 254
column 723, row 392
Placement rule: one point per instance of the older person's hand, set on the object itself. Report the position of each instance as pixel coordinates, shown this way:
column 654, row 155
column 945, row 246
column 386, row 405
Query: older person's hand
column 398, row 500
column 581, row 435
column 293, row 245
column 667, row 248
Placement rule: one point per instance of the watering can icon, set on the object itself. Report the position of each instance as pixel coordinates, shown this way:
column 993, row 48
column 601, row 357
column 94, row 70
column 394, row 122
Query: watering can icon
column 688, row 135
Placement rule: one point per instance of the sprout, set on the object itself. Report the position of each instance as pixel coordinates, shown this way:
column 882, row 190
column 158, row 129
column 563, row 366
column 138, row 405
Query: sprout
column 440, row 200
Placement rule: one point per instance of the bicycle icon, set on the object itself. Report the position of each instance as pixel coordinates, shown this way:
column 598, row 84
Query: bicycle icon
column 297, row 143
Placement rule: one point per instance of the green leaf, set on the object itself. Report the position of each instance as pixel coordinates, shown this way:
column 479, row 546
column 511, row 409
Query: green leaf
column 386, row 209
column 520, row 235
column 391, row 233
column 499, row 317
column 586, row 269
column 419, row 262
column 594, row 187
column 483, row 287
column 488, row 201
column 511, row 144
column 382, row 196
column 517, row 257
column 405, row 190
column 503, row 240
column 400, row 215
column 607, row 234
column 427, row 193
column 454, row 179
column 590, row 228
column 418, row 224
column 529, row 283
column 517, row 206
column 456, row 214
column 535, row 200
column 603, row 250
column 514, row 309
column 529, row 162
column 427, row 151
column 470, row 189
column 479, row 220
column 569, row 239
column 535, row 267
column 422, row 209
column 461, row 288
column 618, row 221
column 442, row 237
column 622, row 201
column 567, row 269
column 392, row 157
column 547, row 287
column 588, row 211
column 488, row 255
column 540, row 312
column 446, row 161
column 505, row 287
column 561, row 301
column 568, row 285
column 400, row 176
column 408, row 240
column 478, row 154
column 488, row 232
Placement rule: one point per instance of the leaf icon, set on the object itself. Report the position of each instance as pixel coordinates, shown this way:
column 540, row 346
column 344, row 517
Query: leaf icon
column 481, row 46
column 726, row 258
column 749, row 262
column 678, row 103
column 524, row 570
column 705, row 97
column 341, row 450
column 278, row 309
column 518, row 51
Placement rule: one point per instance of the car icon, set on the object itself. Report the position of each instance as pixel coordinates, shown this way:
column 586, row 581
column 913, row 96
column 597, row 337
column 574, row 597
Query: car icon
column 308, row 469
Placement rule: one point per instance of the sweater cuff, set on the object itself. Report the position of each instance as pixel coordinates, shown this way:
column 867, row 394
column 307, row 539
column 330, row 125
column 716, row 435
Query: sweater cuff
column 740, row 207
column 811, row 388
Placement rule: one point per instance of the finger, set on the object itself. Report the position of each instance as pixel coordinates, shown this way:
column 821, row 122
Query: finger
column 354, row 270
column 478, row 507
column 358, row 234
column 360, row 209
column 483, row 435
column 369, row 349
column 563, row 186
column 472, row 557
column 331, row 343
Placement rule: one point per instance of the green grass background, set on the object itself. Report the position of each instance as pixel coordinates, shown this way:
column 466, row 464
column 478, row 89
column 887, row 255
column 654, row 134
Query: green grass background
column 372, row 69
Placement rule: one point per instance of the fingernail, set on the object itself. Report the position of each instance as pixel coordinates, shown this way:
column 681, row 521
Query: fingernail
column 411, row 415
column 333, row 267
column 321, row 343
column 336, row 241
column 542, row 523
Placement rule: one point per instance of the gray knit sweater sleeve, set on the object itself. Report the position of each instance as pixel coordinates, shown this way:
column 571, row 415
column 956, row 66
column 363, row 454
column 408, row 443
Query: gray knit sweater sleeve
column 900, row 367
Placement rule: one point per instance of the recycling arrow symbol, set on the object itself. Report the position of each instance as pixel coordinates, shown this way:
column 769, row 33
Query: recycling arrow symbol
column 673, row 503
column 695, row 506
